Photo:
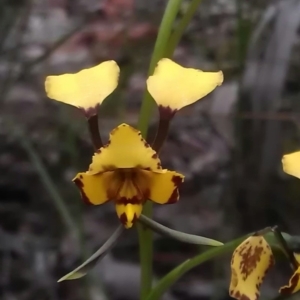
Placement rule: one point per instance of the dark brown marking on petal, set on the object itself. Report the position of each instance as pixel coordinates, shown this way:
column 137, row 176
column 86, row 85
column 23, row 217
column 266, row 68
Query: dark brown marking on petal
column 80, row 185
column 287, row 290
column 106, row 145
column 251, row 256
column 123, row 218
column 177, row 180
column 158, row 165
column 166, row 112
column 240, row 296
column 98, row 151
column 174, row 197
column 155, row 156
column 146, row 144
column 135, row 217
column 133, row 200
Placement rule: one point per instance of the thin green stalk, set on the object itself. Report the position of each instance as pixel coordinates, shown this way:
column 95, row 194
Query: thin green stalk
column 145, row 235
column 180, row 28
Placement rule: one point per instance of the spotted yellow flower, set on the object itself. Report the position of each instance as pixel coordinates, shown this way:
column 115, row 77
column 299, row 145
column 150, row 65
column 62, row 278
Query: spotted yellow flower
column 173, row 86
column 294, row 282
column 249, row 265
column 291, row 164
column 128, row 172
column 86, row 89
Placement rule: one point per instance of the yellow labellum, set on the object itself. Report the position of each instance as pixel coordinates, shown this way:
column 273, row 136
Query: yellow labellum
column 173, row 86
column 291, row 164
column 85, row 89
column 249, row 265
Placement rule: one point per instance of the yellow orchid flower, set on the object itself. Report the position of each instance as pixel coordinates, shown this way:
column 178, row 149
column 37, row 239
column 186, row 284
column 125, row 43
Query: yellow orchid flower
column 128, row 171
column 291, row 164
column 294, row 282
column 249, row 265
column 173, row 86
column 86, row 89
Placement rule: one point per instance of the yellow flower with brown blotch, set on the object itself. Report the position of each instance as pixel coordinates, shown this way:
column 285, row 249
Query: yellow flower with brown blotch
column 128, row 172
column 250, row 262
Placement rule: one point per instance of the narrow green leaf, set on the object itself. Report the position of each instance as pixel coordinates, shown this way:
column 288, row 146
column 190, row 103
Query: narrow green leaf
column 177, row 235
column 93, row 260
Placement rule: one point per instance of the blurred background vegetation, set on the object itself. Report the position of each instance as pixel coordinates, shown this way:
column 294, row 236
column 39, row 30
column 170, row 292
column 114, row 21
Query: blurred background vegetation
column 228, row 145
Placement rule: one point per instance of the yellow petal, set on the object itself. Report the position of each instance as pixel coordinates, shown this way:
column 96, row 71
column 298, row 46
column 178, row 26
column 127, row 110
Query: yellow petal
column 85, row 89
column 94, row 188
column 293, row 286
column 126, row 149
column 163, row 186
column 291, row 164
column 173, row 86
column 249, row 265
column 128, row 213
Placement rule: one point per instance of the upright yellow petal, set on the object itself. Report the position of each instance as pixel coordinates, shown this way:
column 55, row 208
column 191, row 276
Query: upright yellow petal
column 293, row 286
column 94, row 188
column 163, row 186
column 85, row 89
column 173, row 86
column 291, row 164
column 249, row 265
column 126, row 149
column 128, row 213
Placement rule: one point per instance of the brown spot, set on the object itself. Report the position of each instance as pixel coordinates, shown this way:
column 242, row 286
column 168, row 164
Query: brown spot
column 177, row 180
column 80, row 185
column 98, row 151
column 166, row 113
column 155, row 156
column 174, row 197
column 145, row 144
column 123, row 218
column 240, row 296
column 158, row 165
column 250, row 258
column 106, row 145
column 125, row 201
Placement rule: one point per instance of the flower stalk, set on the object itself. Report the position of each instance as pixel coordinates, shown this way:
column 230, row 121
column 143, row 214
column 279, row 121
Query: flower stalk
column 161, row 134
column 94, row 132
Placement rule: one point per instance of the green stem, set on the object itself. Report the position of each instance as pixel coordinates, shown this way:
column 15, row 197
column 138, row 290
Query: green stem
column 180, row 28
column 145, row 235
